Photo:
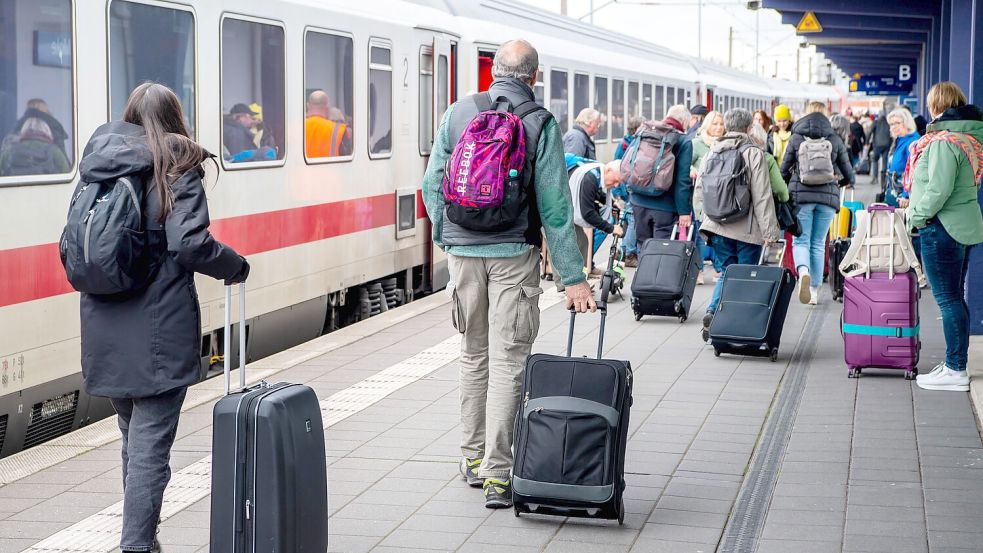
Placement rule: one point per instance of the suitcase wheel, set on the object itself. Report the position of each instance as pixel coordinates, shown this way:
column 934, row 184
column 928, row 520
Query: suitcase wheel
column 716, row 352
column 854, row 372
column 682, row 319
column 638, row 315
column 910, row 375
column 774, row 355
column 516, row 511
column 621, row 516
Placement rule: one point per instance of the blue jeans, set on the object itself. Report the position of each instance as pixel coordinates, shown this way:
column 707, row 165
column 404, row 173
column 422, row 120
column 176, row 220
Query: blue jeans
column 629, row 245
column 729, row 252
column 946, row 263
column 809, row 248
column 148, row 426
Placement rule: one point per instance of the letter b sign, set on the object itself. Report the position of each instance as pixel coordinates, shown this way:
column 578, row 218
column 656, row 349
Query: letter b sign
column 904, row 73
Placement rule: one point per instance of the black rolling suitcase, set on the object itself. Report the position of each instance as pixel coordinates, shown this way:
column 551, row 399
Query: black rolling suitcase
column 666, row 277
column 570, row 433
column 753, row 305
column 837, row 250
column 269, row 475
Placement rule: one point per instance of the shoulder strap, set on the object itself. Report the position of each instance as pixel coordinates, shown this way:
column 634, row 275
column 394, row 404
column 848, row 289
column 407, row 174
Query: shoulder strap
column 526, row 108
column 852, row 255
column 483, row 101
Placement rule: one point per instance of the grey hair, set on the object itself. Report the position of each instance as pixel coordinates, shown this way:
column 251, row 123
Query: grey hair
column 758, row 135
column 841, row 126
column 515, row 59
column 587, row 116
column 906, row 119
column 680, row 113
column 738, row 120
column 634, row 123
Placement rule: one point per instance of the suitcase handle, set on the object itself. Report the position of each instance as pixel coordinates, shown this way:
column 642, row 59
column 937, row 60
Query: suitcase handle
column 781, row 255
column 600, row 337
column 227, row 337
column 677, row 232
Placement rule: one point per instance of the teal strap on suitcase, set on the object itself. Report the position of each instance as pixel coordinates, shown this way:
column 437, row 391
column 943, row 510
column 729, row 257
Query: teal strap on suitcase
column 888, row 331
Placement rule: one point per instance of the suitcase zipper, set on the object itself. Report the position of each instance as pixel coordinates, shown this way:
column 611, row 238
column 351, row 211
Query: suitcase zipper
column 88, row 233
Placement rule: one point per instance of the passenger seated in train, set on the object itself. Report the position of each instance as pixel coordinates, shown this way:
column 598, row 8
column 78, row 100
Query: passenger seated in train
column 32, row 151
column 238, row 138
column 326, row 136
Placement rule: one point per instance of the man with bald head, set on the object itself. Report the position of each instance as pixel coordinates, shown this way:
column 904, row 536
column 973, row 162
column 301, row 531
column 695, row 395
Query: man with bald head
column 495, row 274
column 324, row 137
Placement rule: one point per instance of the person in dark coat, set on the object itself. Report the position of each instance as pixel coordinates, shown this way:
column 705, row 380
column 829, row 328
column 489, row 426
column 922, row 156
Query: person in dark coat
column 141, row 349
column 817, row 203
column 38, row 109
column 858, row 140
column 879, row 140
column 579, row 140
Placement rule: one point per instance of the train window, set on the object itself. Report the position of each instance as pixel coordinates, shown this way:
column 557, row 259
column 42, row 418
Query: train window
column 647, row 100
column 601, row 105
column 135, row 33
column 329, row 96
column 253, row 103
column 681, row 96
column 443, row 85
column 426, row 99
column 660, row 102
column 617, row 108
column 540, row 88
column 380, row 100
column 560, row 98
column 37, row 125
column 670, row 97
column 634, row 107
column 581, row 92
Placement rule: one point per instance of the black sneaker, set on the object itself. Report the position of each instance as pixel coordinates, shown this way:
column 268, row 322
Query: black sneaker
column 469, row 470
column 705, row 333
column 498, row 493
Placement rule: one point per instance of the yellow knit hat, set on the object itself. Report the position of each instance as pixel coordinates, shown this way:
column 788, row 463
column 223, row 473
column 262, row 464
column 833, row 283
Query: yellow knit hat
column 782, row 112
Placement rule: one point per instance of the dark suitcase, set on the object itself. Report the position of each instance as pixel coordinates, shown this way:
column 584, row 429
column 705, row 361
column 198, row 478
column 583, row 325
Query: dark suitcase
column 666, row 277
column 837, row 249
column 571, row 431
column 269, row 472
column 751, row 314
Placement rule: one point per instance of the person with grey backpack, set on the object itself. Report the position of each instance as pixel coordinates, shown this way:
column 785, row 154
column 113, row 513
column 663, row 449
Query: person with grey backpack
column 816, row 163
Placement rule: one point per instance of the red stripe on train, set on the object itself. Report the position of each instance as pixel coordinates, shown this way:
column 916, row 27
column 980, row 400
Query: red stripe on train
column 35, row 272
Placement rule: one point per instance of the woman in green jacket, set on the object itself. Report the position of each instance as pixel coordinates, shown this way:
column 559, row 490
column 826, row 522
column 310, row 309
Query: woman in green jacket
column 778, row 186
column 711, row 129
column 943, row 174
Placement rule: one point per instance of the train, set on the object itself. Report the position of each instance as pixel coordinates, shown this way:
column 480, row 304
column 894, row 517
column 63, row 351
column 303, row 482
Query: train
column 333, row 234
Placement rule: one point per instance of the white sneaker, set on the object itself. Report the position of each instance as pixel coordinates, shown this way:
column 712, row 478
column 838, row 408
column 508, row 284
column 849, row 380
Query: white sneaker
column 805, row 291
column 935, row 370
column 945, row 379
column 814, row 296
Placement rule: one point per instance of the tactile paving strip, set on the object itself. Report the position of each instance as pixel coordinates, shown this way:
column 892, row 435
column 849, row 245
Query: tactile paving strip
column 100, row 532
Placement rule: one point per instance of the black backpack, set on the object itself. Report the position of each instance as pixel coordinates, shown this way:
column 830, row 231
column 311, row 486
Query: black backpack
column 726, row 186
column 104, row 247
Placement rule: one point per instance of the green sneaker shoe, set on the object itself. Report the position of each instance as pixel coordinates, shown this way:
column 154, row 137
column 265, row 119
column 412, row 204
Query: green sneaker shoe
column 498, row 494
column 469, row 470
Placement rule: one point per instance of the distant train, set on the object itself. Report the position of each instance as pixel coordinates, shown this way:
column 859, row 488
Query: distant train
column 335, row 230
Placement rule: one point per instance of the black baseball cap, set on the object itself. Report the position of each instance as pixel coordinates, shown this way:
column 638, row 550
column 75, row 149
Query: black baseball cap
column 241, row 108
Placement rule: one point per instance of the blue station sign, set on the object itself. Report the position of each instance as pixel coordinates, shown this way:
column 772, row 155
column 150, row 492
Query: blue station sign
column 902, row 83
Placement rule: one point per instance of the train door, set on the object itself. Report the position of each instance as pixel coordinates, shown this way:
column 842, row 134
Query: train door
column 444, row 92
column 710, row 95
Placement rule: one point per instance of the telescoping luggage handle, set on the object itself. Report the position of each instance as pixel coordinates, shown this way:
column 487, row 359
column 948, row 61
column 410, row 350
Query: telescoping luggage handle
column 677, row 232
column 602, row 306
column 227, row 337
column 781, row 252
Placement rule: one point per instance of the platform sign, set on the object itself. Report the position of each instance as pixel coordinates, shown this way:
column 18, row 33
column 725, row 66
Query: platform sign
column 902, row 83
column 809, row 24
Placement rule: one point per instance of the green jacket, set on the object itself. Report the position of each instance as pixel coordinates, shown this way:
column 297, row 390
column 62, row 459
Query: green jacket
column 552, row 200
column 700, row 150
column 944, row 186
column 778, row 186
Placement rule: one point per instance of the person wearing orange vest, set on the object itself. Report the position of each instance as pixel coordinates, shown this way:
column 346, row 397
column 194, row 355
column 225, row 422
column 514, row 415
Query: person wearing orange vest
column 325, row 138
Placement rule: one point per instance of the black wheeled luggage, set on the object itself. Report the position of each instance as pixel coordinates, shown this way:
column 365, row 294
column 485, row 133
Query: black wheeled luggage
column 570, row 434
column 269, row 475
column 837, row 250
column 751, row 313
column 666, row 277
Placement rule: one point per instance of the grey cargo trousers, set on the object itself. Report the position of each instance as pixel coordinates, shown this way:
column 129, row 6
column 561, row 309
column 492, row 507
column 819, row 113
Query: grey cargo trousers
column 496, row 309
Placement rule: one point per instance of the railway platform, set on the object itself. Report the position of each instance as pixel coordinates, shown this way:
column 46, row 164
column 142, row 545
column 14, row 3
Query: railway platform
column 727, row 454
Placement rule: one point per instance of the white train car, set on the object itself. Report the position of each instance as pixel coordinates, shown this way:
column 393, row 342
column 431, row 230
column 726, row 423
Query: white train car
column 318, row 226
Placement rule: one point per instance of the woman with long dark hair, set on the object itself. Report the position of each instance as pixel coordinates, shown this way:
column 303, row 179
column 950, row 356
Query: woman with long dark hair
column 141, row 349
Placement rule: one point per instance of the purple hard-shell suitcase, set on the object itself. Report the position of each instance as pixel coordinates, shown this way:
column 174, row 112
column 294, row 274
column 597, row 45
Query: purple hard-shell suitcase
column 880, row 323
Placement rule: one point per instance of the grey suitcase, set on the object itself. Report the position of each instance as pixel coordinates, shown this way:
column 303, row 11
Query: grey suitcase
column 269, row 475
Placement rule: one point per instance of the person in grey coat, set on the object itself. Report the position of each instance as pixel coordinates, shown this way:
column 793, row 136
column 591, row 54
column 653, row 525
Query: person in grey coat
column 817, row 203
column 579, row 140
column 141, row 349
column 879, row 140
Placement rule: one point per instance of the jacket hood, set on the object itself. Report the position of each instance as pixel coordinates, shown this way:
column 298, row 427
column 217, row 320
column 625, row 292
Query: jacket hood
column 115, row 149
column 515, row 86
column 813, row 125
column 730, row 141
column 965, row 119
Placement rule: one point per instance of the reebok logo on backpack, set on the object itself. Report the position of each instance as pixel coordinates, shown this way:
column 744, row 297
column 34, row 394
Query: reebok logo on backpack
column 649, row 164
column 105, row 248
column 815, row 160
column 483, row 184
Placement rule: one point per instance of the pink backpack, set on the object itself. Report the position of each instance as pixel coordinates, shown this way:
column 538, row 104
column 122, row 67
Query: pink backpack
column 483, row 183
column 649, row 164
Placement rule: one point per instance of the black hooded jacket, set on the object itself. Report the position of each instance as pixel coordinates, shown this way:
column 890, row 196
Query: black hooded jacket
column 144, row 343
column 58, row 134
column 816, row 125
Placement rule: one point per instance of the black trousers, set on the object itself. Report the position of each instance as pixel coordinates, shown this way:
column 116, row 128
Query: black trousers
column 652, row 223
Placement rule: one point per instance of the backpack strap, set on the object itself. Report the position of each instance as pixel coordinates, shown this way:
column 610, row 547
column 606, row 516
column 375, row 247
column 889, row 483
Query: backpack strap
column 526, row 108
column 852, row 256
column 484, row 101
